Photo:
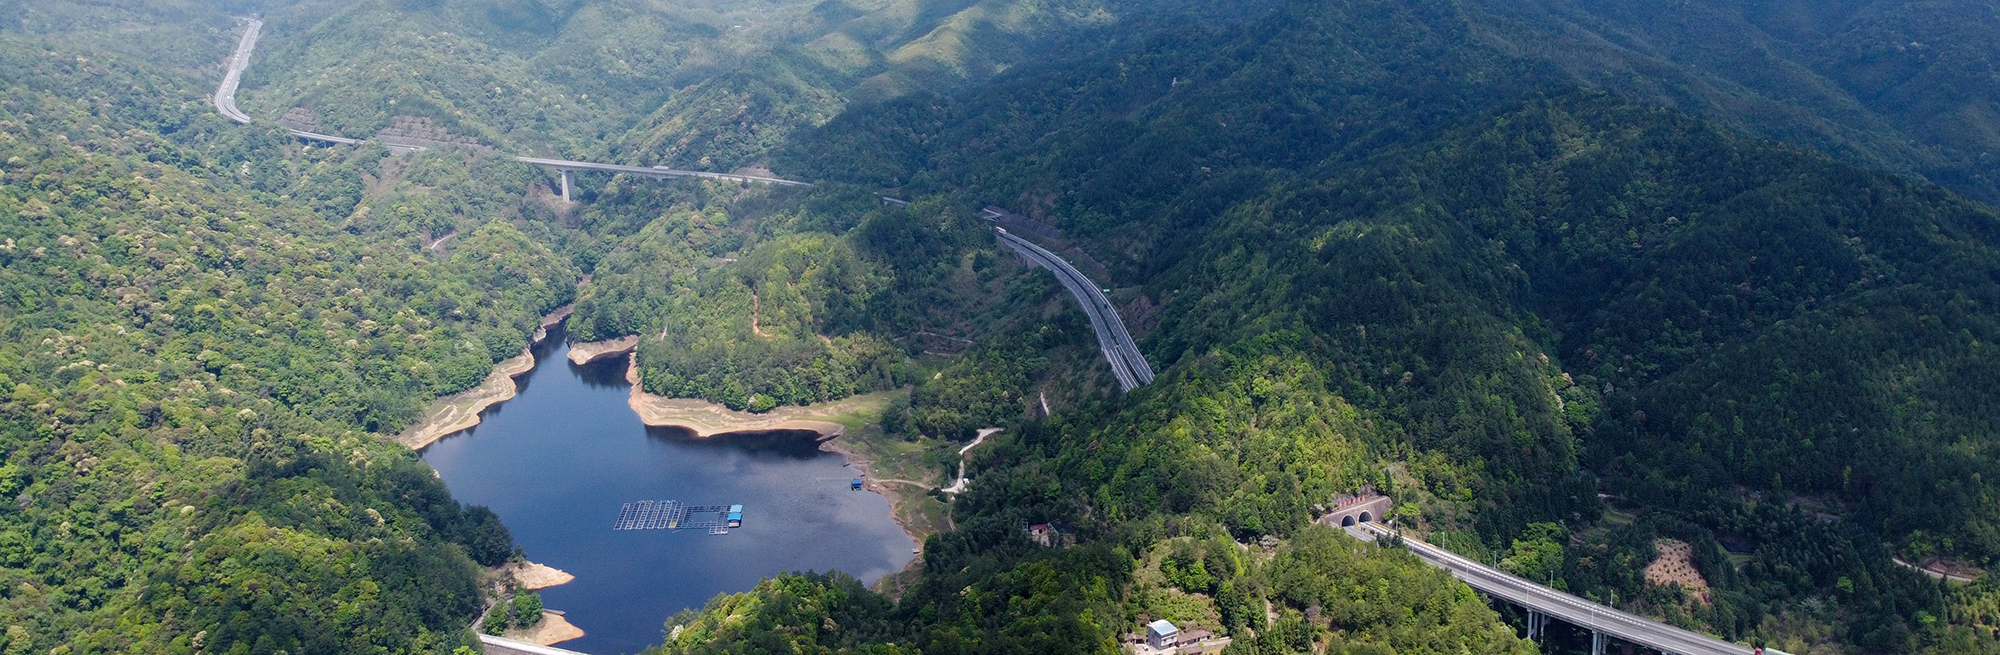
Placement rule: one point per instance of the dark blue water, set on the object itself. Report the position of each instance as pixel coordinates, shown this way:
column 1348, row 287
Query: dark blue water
column 557, row 461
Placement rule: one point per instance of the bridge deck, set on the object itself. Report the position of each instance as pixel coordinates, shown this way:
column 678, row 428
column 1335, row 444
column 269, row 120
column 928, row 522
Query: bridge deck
column 1570, row 609
column 655, row 171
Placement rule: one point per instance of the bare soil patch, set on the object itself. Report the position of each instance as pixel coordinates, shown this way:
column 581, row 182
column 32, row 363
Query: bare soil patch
column 1676, row 565
column 532, row 576
column 551, row 630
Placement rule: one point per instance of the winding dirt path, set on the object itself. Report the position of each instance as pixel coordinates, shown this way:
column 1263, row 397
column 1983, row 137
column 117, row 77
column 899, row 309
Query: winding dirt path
column 1933, row 573
column 958, row 486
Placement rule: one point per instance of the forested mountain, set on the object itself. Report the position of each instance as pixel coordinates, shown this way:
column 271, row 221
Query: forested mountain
column 694, row 85
column 1563, row 277
column 1906, row 86
column 1518, row 304
column 1308, row 81
column 202, row 330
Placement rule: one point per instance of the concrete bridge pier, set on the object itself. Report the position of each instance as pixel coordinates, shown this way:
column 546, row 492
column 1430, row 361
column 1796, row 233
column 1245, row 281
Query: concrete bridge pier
column 1538, row 625
column 565, row 184
column 1597, row 639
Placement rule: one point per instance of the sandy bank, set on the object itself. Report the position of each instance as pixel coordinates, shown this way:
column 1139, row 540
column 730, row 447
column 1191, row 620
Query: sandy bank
column 585, row 353
column 532, row 576
column 707, row 419
column 461, row 410
column 552, row 629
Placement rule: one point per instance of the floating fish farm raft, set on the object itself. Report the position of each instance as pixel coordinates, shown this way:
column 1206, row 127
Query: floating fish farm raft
column 676, row 515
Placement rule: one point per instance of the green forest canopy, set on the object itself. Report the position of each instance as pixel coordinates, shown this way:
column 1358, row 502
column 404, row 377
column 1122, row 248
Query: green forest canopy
column 1363, row 247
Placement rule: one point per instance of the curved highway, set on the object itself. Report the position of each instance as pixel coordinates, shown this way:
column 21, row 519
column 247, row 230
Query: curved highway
column 1127, row 363
column 225, row 102
column 225, row 95
column 1571, row 609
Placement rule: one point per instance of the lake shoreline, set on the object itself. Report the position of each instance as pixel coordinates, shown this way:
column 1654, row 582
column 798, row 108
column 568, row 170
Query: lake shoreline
column 554, row 628
column 535, row 577
column 899, row 502
column 827, row 421
column 529, row 576
column 707, row 419
column 460, row 411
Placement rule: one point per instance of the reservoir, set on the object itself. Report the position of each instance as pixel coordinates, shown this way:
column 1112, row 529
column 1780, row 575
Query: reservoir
column 558, row 461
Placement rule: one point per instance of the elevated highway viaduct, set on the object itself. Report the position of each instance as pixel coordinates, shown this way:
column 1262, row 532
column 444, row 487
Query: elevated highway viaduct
column 564, row 167
column 1543, row 604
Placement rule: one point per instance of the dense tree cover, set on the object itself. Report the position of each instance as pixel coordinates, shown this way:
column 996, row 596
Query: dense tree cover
column 1359, row 591
column 177, row 36
column 524, row 610
column 1319, row 592
column 1830, row 581
column 710, row 85
column 200, row 332
column 1146, row 121
column 1588, row 230
column 790, row 613
column 984, row 387
column 1515, row 303
column 505, row 73
column 1361, row 263
column 1383, row 244
column 749, row 333
column 835, row 56
column 755, row 302
column 1908, row 83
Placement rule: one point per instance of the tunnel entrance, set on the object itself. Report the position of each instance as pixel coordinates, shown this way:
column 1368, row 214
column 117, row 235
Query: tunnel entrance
column 1366, row 518
column 1346, row 521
